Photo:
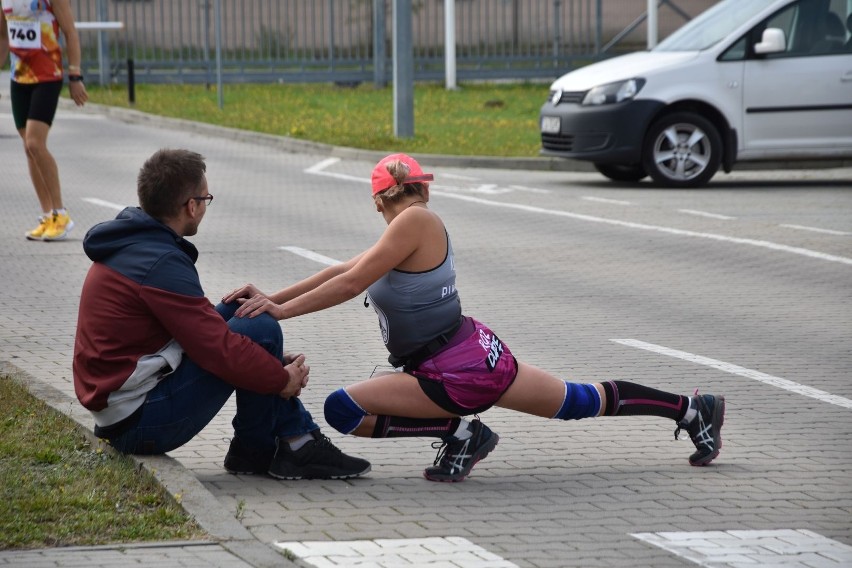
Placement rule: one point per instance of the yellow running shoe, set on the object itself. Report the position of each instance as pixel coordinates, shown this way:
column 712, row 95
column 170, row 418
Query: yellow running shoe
column 37, row 234
column 58, row 228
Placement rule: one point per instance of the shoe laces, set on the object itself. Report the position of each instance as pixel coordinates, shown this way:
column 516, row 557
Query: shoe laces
column 324, row 442
column 449, row 450
column 681, row 425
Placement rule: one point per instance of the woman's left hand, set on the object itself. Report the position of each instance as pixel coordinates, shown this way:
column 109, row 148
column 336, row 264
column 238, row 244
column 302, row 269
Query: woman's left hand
column 258, row 304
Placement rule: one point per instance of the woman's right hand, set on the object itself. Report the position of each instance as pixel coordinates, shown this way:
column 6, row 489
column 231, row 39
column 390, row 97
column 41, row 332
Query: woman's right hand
column 247, row 291
column 298, row 372
column 256, row 305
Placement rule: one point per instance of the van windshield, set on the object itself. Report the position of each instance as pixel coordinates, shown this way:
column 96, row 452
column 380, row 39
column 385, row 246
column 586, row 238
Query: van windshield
column 713, row 25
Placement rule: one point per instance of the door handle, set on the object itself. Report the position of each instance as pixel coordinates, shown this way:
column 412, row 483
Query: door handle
column 846, row 77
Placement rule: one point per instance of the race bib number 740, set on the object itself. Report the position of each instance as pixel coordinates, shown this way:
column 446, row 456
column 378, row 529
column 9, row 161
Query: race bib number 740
column 24, row 35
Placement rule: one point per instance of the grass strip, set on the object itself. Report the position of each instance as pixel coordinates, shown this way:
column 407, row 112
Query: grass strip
column 58, row 490
column 484, row 119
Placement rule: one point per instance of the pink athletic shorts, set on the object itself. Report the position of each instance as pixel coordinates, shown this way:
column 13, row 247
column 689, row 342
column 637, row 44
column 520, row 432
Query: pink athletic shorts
column 475, row 368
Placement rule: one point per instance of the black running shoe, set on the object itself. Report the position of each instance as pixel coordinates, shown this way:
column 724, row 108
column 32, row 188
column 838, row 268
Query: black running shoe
column 705, row 428
column 241, row 459
column 456, row 458
column 318, row 459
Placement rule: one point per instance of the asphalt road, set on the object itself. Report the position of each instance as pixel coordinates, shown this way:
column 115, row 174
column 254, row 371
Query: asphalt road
column 742, row 289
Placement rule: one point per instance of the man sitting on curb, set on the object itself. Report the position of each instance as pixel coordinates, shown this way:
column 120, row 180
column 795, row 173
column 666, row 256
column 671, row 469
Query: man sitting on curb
column 154, row 361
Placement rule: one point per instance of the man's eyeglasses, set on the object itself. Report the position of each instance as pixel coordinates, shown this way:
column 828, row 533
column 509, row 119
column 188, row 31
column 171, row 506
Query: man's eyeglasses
column 208, row 198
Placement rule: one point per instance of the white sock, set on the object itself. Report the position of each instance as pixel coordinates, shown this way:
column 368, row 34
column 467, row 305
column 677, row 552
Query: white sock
column 60, row 211
column 300, row 441
column 463, row 432
column 691, row 412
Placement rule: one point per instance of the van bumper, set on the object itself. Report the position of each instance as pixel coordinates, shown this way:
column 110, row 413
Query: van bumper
column 606, row 134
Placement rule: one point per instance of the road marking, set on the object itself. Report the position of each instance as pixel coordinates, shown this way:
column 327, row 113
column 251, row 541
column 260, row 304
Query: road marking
column 657, row 228
column 318, row 170
column 706, row 214
column 102, row 203
column 311, row 255
column 816, row 230
column 741, row 371
column 749, row 548
column 489, row 189
column 319, row 167
column 414, row 552
column 606, row 200
column 457, row 176
column 529, row 189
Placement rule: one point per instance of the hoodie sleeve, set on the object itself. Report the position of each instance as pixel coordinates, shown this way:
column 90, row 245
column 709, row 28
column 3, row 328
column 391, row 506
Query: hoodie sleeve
column 173, row 293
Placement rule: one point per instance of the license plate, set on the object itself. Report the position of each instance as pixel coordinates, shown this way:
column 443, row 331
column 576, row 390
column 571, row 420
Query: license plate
column 550, row 124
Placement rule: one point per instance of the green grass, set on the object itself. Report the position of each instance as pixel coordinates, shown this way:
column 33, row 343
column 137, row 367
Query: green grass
column 58, row 490
column 474, row 120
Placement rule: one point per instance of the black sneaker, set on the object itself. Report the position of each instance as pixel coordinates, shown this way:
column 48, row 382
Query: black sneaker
column 318, row 459
column 705, row 428
column 247, row 461
column 456, row 458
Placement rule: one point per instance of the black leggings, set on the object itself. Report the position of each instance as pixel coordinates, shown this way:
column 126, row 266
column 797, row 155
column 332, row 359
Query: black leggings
column 34, row 101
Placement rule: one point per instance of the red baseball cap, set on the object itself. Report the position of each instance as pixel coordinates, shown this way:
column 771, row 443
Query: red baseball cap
column 382, row 179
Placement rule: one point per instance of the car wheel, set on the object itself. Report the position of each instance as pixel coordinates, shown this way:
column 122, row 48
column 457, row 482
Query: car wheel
column 620, row 172
column 682, row 149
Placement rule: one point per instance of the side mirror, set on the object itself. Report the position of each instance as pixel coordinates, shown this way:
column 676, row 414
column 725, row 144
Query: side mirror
column 773, row 41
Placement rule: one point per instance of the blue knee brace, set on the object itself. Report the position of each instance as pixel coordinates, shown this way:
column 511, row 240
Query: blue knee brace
column 581, row 401
column 342, row 413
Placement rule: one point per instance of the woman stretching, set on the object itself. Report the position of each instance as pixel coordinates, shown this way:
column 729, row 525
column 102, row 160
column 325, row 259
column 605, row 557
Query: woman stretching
column 449, row 365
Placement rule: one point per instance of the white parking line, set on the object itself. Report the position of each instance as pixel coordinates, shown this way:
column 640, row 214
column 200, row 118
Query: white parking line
column 705, row 214
column 319, row 167
column 311, row 255
column 816, row 230
column 605, row 200
column 102, row 203
column 749, row 548
column 413, row 552
column 317, row 170
column 528, row 189
column 657, row 228
column 457, row 176
column 741, row 371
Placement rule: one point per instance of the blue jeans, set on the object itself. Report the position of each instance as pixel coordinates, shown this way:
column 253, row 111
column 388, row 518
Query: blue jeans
column 184, row 402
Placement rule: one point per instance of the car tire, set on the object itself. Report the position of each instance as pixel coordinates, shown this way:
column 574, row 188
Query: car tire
column 682, row 149
column 621, row 172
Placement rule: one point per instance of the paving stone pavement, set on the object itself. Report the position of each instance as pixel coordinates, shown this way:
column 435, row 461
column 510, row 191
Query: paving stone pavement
column 581, row 498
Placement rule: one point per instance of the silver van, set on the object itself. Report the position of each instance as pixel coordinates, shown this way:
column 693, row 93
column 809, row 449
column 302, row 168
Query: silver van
column 747, row 80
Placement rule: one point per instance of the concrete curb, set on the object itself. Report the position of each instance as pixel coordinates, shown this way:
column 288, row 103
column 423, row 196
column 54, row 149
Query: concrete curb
column 219, row 523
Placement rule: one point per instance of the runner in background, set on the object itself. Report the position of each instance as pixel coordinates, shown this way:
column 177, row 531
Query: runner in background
column 30, row 31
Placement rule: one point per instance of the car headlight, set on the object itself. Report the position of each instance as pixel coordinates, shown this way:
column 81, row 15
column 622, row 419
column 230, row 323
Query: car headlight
column 613, row 92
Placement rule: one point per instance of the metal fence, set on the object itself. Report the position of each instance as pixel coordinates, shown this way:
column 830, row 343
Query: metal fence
column 349, row 41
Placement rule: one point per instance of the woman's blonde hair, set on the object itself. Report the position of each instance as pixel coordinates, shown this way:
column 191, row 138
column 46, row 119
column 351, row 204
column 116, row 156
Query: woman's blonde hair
column 399, row 170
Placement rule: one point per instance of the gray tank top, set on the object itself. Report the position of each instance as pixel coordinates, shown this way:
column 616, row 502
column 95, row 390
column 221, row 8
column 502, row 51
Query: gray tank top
column 416, row 307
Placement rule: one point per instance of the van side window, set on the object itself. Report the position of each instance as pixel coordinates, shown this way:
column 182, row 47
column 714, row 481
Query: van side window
column 737, row 51
column 811, row 27
column 783, row 20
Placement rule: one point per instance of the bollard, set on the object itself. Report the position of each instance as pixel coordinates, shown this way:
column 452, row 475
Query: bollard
column 131, row 83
